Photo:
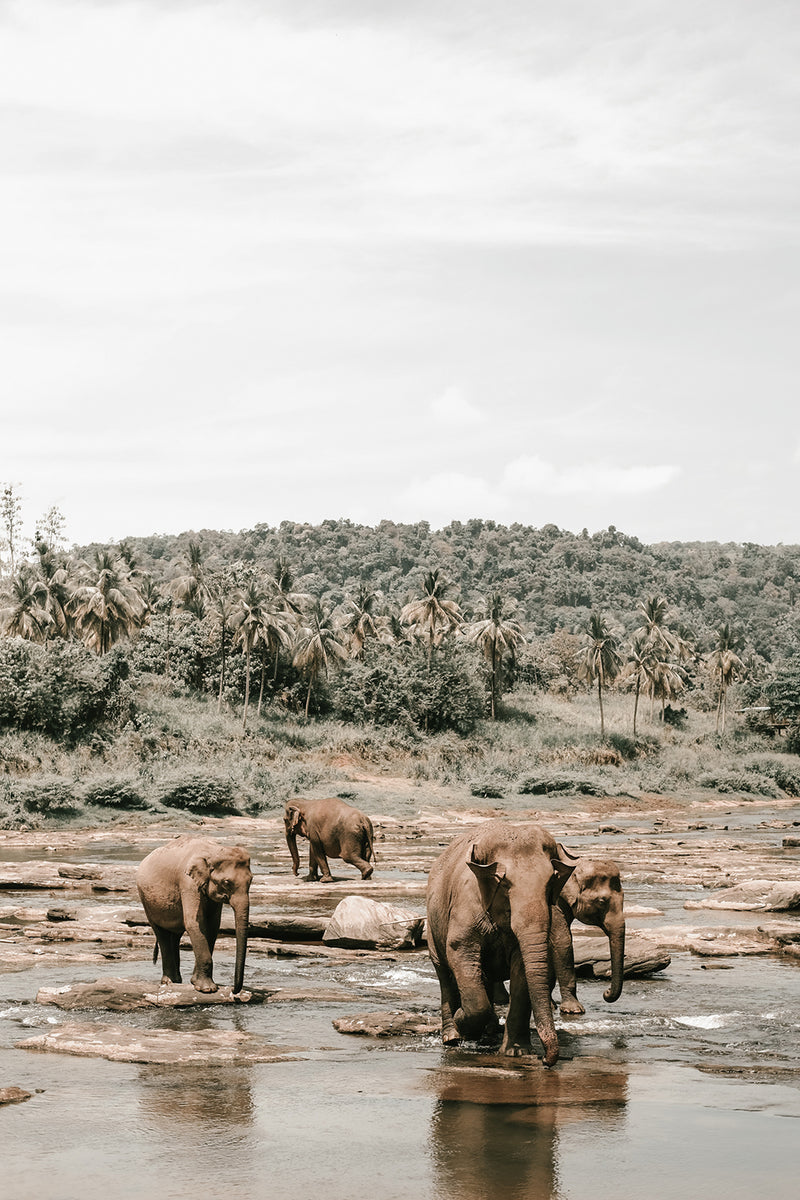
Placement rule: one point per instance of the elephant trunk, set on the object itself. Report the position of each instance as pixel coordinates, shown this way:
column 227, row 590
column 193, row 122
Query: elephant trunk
column 535, row 957
column 615, row 930
column 291, row 842
column 241, row 912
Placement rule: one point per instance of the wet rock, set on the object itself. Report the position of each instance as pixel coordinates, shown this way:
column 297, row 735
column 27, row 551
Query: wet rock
column 207, row 1047
column 790, row 842
column 126, row 995
column 753, row 895
column 719, row 944
column 593, row 957
column 13, row 1095
column 358, row 921
column 389, row 1024
column 60, row 914
column 80, row 872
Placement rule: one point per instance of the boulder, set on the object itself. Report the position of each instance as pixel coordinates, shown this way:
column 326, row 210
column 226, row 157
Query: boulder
column 593, row 957
column 126, row 995
column 754, row 895
column 208, row 1047
column 358, row 921
column 390, row 1024
column 13, row 1095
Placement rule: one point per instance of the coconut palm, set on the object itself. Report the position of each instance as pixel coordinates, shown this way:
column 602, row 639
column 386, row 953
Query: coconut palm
column 247, row 620
column 639, row 664
column 360, row 621
column 317, row 644
column 108, row 606
column 725, row 663
column 55, row 578
column 191, row 589
column 223, row 598
column 25, row 614
column 282, row 584
column 599, row 660
column 432, row 616
column 275, row 634
column 497, row 635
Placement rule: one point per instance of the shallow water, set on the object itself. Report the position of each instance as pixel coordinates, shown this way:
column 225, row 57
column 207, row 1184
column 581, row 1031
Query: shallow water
column 688, row 1086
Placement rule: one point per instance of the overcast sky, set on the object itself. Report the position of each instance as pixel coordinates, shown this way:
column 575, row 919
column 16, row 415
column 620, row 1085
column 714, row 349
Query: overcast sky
column 406, row 259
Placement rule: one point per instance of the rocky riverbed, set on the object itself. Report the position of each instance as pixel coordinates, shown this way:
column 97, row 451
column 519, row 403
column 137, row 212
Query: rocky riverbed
column 712, row 986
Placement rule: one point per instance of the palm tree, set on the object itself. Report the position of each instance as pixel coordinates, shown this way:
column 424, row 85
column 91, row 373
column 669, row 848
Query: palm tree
column 317, row 644
column 26, row 613
column 600, row 660
column 191, row 589
column 640, row 658
column 276, row 633
column 724, row 661
column 432, row 616
column 108, row 606
column 361, row 621
column 282, row 584
column 54, row 575
column 247, row 620
column 497, row 635
column 224, row 597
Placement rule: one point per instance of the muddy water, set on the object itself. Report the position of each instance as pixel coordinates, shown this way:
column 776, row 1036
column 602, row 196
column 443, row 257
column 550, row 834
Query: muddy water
column 688, row 1086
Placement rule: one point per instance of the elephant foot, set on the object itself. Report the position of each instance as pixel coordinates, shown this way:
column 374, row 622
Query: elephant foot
column 165, row 979
column 367, row 874
column 572, row 1007
column 310, row 878
column 326, row 879
column 204, row 984
column 450, row 1035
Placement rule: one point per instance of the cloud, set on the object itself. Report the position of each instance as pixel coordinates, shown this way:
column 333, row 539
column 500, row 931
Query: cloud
column 453, row 407
column 532, row 474
column 449, row 496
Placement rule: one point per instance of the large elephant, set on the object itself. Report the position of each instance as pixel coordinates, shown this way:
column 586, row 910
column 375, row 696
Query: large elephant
column 489, row 902
column 332, row 828
column 592, row 894
column 182, row 886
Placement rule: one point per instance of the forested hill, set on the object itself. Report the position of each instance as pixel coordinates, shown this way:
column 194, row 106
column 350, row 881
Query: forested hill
column 556, row 577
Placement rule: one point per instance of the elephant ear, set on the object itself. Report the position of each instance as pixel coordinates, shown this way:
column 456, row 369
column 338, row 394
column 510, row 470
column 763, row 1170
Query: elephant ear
column 487, row 875
column 561, row 873
column 199, row 870
column 565, row 855
column 294, row 818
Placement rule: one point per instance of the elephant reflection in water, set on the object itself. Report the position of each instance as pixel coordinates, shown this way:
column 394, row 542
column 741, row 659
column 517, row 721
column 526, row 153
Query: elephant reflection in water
column 494, row 1132
column 202, row 1099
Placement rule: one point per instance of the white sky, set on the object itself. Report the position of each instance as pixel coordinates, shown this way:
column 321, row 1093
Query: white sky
column 417, row 259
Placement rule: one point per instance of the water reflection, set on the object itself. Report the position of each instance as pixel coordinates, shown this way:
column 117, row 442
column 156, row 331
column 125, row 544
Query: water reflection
column 203, row 1098
column 494, row 1129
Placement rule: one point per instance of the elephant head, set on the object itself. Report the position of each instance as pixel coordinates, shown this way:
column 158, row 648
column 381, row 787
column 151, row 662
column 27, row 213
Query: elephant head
column 520, row 875
column 225, row 878
column 593, row 895
column 294, row 823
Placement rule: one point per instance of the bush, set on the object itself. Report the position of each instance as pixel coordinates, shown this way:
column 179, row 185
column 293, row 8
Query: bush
column 394, row 687
column 62, row 690
column 48, row 797
column 198, row 793
column 487, row 789
column 543, row 785
column 749, row 782
column 114, row 793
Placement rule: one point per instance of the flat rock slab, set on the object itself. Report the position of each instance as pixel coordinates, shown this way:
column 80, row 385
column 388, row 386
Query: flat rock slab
column 754, row 895
column 13, row 1095
column 120, row 1044
column 593, row 957
column 390, row 1024
column 126, row 995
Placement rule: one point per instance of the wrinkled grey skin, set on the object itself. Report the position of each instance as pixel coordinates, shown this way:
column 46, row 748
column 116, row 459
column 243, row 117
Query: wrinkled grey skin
column 332, row 828
column 489, row 909
column 183, row 886
column 592, row 894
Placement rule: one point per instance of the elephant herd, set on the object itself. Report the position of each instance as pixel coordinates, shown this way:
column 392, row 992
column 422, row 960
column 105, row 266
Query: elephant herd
column 501, row 900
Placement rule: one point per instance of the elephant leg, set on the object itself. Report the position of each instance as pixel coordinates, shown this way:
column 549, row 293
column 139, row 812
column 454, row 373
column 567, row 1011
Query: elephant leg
column 517, row 1034
column 319, row 862
column 169, row 944
column 202, row 934
column 475, row 1015
column 451, row 1002
column 352, row 854
column 563, row 962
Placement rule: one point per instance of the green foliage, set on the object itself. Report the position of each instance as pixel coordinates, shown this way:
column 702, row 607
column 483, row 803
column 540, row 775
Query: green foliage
column 488, row 789
column 748, row 782
column 547, row 785
column 122, row 792
column 47, row 797
column 62, row 690
column 391, row 687
column 198, row 792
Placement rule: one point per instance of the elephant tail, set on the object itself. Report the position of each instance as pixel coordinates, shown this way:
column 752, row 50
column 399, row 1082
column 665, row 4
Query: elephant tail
column 155, row 953
column 369, row 847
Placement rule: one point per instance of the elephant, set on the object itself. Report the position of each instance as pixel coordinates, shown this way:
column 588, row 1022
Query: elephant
column 489, row 902
column 592, row 894
column 332, row 828
column 182, row 886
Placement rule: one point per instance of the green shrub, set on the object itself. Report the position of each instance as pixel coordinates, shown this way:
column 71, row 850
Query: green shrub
column 114, row 792
column 487, row 789
column 198, row 793
column 543, row 785
column 48, row 797
column 749, row 782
